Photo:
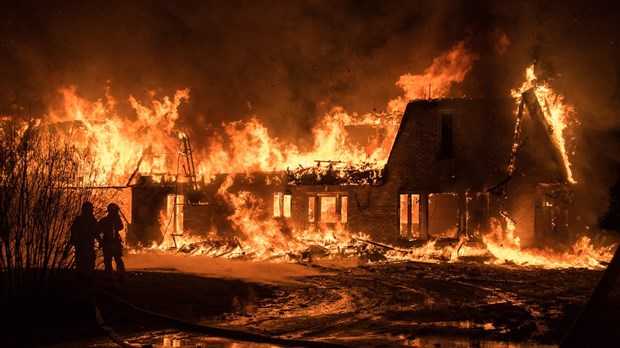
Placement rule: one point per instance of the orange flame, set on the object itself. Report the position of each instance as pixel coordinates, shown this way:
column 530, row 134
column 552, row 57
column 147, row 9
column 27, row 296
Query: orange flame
column 447, row 69
column 117, row 142
column 559, row 114
column 148, row 143
column 505, row 247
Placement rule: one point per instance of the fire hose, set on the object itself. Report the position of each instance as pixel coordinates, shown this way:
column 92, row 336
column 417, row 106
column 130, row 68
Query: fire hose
column 208, row 330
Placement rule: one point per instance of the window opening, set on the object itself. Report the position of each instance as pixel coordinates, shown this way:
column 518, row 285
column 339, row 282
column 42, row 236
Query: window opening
column 331, row 208
column 404, row 216
column 343, row 209
column 446, row 150
column 286, row 206
column 174, row 212
column 311, row 205
column 277, row 212
column 328, row 209
column 281, row 204
column 409, row 215
column 443, row 215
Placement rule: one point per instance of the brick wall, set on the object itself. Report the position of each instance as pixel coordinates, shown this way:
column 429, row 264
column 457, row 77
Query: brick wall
column 371, row 209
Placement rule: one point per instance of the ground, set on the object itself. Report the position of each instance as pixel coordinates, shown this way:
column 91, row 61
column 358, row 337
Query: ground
column 373, row 304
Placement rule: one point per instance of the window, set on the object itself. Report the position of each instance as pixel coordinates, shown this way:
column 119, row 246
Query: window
column 403, row 214
column 328, row 209
column 443, row 215
column 446, row 146
column 277, row 205
column 311, row 209
column 286, row 206
column 332, row 208
column 281, row 204
column 343, row 209
column 409, row 215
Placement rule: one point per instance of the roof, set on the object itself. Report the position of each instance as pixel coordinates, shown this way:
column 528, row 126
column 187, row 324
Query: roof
column 482, row 139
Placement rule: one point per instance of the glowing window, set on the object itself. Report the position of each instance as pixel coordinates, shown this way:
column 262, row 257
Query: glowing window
column 331, row 208
column 328, row 209
column 409, row 215
column 276, row 205
column 404, row 216
column 343, row 209
column 281, row 204
column 311, row 203
column 286, row 206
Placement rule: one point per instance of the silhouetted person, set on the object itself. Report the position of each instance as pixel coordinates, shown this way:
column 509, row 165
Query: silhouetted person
column 84, row 231
column 111, row 242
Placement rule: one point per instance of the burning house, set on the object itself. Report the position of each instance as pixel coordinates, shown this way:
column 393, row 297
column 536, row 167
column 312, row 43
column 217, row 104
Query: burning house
column 456, row 168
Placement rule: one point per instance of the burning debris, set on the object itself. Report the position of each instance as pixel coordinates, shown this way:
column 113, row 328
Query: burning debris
column 336, row 173
column 496, row 248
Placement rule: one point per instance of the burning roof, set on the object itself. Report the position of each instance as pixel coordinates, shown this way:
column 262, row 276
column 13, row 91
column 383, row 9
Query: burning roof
column 336, row 173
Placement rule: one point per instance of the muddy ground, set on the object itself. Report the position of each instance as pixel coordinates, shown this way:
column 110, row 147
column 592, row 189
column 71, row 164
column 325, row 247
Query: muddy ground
column 381, row 304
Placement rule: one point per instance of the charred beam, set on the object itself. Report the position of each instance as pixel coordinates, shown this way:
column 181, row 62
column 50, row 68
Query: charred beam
column 517, row 144
column 136, row 170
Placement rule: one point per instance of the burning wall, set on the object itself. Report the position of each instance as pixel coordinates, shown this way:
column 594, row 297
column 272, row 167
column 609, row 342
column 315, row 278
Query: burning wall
column 447, row 171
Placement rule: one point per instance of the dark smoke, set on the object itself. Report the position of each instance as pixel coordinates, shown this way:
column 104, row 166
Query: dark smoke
column 288, row 62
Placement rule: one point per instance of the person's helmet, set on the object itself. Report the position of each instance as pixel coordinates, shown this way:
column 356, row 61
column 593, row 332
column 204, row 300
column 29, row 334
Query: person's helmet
column 88, row 208
column 113, row 208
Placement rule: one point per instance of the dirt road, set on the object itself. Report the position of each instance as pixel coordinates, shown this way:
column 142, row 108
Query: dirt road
column 376, row 304
column 406, row 303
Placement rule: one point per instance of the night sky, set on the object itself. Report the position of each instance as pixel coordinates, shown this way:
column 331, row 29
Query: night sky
column 288, row 62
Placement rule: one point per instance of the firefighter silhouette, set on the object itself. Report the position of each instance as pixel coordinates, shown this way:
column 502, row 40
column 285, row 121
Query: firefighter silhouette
column 84, row 231
column 111, row 242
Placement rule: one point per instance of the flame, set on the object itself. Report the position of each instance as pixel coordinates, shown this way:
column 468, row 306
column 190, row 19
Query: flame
column 559, row 114
column 267, row 241
column 150, row 141
column 449, row 68
column 147, row 142
column 119, row 143
column 505, row 247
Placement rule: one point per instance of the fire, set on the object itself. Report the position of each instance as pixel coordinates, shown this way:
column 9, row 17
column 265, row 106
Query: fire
column 147, row 142
column 261, row 238
column 559, row 114
column 118, row 143
column 449, row 68
column 505, row 247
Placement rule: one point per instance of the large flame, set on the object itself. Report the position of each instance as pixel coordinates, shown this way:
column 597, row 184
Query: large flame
column 449, row 68
column 559, row 114
column 147, row 142
column 120, row 143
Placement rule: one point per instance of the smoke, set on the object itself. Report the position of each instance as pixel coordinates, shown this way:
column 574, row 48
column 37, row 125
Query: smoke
column 290, row 62
column 287, row 62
